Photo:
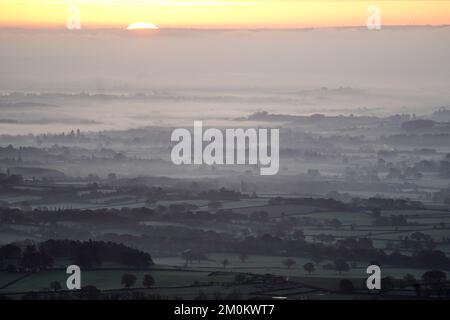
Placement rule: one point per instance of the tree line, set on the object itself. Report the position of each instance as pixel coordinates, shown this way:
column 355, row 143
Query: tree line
column 86, row 254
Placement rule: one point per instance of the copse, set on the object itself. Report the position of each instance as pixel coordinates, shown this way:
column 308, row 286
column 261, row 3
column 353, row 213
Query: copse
column 86, row 254
column 95, row 252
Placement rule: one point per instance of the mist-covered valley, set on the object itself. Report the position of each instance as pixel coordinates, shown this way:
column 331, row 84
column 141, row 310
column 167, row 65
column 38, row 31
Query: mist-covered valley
column 86, row 175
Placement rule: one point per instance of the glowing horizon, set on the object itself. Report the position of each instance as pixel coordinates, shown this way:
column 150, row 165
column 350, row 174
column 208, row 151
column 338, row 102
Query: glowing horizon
column 271, row 14
column 142, row 26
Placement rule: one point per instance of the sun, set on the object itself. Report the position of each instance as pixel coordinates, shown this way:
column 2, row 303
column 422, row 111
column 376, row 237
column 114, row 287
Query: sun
column 142, row 26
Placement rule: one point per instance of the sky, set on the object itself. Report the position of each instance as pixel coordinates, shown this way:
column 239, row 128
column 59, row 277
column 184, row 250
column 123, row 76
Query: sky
column 228, row 14
column 171, row 58
column 216, row 75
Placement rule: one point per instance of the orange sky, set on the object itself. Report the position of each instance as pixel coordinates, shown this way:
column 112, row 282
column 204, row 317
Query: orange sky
column 220, row 13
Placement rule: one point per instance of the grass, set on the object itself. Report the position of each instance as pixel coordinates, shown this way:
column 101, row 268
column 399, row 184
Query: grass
column 172, row 282
column 203, row 204
column 245, row 203
column 273, row 265
column 167, row 203
column 356, row 218
column 108, row 279
column 214, row 261
column 11, row 236
column 421, row 212
column 6, row 277
column 12, row 198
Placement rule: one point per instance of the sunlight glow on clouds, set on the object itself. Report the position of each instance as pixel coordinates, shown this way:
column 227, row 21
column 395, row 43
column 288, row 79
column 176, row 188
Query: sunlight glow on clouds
column 221, row 13
column 141, row 26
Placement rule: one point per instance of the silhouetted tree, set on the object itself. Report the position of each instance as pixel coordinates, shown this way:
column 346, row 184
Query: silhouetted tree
column 148, row 281
column 289, row 262
column 309, row 267
column 89, row 293
column 128, row 280
column 225, row 263
column 298, row 235
column 341, row 266
column 436, row 280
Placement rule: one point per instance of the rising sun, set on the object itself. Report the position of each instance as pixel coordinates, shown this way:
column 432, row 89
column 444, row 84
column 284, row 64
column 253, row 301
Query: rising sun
column 142, row 26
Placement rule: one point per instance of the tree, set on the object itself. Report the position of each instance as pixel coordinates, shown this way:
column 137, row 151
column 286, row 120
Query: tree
column 90, row 293
column 214, row 204
column 112, row 176
column 436, row 280
column 33, row 260
column 9, row 252
column 289, row 262
column 128, row 280
column 148, row 281
column 309, row 267
column 243, row 257
column 346, row 286
column 298, row 235
column 188, row 256
column 341, row 266
column 55, row 285
column 225, row 263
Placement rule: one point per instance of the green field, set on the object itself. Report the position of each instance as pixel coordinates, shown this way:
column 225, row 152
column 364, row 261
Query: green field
column 105, row 279
column 357, row 218
column 172, row 280
column 273, row 265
